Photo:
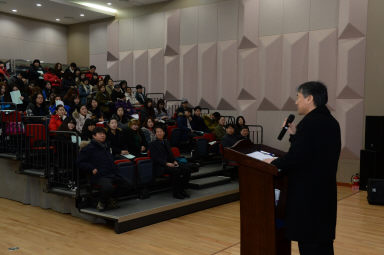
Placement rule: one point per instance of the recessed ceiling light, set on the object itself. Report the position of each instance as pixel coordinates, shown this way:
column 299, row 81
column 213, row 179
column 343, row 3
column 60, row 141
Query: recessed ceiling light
column 82, row 14
column 109, row 4
column 14, row 10
column 57, row 19
column 39, row 5
column 98, row 7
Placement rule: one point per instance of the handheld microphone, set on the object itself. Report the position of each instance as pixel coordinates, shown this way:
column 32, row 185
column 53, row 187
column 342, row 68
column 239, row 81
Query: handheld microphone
column 290, row 118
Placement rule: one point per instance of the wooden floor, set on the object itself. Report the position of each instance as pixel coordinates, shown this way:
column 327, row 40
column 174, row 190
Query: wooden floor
column 33, row 230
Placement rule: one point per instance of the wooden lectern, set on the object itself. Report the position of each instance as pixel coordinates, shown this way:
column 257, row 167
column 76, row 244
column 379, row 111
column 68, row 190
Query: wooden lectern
column 262, row 229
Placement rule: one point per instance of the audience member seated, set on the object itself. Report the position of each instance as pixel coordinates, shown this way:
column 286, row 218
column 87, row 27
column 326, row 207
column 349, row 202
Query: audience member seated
column 36, row 73
column 86, row 132
column 137, row 144
column 47, row 91
column 17, row 79
column 69, row 124
column 212, row 120
column 57, row 119
column 148, row 110
column 94, row 108
column 67, row 82
column 244, row 133
column 184, row 105
column 85, row 91
column 164, row 163
column 240, row 123
column 38, row 106
column 184, row 124
column 122, row 118
column 220, row 129
column 4, row 97
column 161, row 112
column 71, row 68
column 52, row 78
column 140, row 97
column 58, row 70
column 23, row 97
column 229, row 139
column 3, row 70
column 56, row 100
column 131, row 96
column 74, row 105
column 148, row 130
column 97, row 161
column 123, row 85
column 104, row 100
column 109, row 84
column 115, row 140
column 81, row 116
column 117, row 94
column 197, row 122
column 91, row 72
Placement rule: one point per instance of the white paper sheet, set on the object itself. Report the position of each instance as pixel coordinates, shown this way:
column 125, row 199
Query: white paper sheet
column 129, row 156
column 260, row 155
column 15, row 95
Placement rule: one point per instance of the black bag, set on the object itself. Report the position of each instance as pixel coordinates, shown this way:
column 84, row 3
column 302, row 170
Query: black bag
column 375, row 191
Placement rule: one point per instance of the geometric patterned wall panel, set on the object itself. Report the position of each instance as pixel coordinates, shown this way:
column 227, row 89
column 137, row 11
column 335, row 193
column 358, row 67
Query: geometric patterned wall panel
column 322, row 64
column 172, row 69
column 350, row 114
column 271, row 70
column 126, row 67
column 248, row 68
column 100, row 61
column 351, row 68
column 353, row 18
column 156, row 70
column 172, row 33
column 248, row 109
column 295, row 67
column 227, row 75
column 207, row 64
column 113, row 69
column 189, row 72
column 248, row 24
column 140, row 67
column 113, row 40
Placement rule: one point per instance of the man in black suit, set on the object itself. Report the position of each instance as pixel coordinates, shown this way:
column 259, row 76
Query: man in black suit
column 311, row 165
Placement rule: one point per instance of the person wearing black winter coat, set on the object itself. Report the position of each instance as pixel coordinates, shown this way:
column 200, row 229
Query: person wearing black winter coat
column 97, row 161
column 229, row 139
column 311, row 165
column 164, row 163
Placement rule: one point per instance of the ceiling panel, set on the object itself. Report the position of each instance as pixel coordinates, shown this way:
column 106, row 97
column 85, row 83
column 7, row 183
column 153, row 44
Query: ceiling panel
column 68, row 11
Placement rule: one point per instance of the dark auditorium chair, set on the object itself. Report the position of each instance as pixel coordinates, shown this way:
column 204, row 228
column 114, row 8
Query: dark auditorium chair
column 144, row 170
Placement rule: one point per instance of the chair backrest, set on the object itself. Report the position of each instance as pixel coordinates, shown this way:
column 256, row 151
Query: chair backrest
column 144, row 167
column 175, row 152
column 122, row 161
column 169, row 131
column 127, row 170
column 35, row 132
column 209, row 136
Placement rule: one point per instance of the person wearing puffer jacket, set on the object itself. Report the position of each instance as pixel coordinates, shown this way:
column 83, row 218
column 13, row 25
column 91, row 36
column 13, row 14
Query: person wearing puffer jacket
column 81, row 117
column 52, row 78
column 57, row 119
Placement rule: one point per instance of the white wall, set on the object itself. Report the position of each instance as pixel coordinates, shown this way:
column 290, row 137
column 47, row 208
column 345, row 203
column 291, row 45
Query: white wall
column 29, row 39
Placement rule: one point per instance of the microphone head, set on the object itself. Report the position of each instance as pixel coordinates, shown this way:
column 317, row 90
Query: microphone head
column 290, row 118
